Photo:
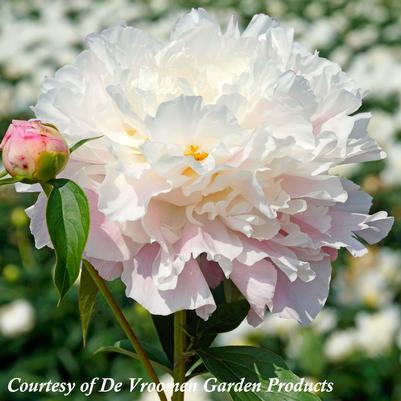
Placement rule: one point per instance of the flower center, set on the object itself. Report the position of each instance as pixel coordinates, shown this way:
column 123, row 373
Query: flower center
column 193, row 150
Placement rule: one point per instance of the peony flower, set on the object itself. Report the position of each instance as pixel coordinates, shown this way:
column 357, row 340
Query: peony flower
column 16, row 318
column 33, row 151
column 215, row 162
column 341, row 344
column 371, row 337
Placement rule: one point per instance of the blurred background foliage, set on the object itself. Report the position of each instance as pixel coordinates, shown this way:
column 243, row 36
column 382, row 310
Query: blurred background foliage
column 355, row 341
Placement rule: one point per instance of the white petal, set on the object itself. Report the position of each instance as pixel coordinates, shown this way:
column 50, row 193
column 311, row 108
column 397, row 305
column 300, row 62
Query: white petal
column 299, row 300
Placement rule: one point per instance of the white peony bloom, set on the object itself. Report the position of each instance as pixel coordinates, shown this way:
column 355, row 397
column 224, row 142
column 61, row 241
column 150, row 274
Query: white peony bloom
column 391, row 175
column 214, row 162
column 16, row 318
column 340, row 345
column 240, row 335
column 378, row 70
column 370, row 280
column 276, row 327
column 383, row 128
column 326, row 320
column 375, row 333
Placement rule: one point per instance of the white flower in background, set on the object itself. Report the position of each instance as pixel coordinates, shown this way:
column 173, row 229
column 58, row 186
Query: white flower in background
column 370, row 9
column 16, row 318
column 362, row 37
column 392, row 31
column 276, row 327
column 340, row 345
column 375, row 332
column 373, row 290
column 214, row 161
column 390, row 265
column 341, row 55
column 240, row 335
column 377, row 70
column 371, row 280
column 30, row 50
column 391, row 175
column 273, row 326
column 383, row 127
column 315, row 10
column 325, row 321
column 319, row 34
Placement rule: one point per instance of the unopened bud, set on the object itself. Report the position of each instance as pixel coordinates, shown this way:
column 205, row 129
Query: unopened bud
column 34, row 151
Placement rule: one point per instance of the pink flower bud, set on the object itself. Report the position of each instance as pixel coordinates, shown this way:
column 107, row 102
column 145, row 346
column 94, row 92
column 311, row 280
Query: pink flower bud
column 34, row 151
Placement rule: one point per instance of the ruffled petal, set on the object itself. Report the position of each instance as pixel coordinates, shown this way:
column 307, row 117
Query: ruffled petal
column 192, row 291
column 107, row 270
column 299, row 300
column 257, row 283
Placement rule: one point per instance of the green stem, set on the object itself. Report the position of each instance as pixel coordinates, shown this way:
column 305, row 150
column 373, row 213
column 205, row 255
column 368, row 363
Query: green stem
column 47, row 188
column 118, row 314
column 179, row 357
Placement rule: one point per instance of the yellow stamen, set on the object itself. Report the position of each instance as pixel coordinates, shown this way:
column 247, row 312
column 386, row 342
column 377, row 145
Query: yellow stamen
column 131, row 131
column 193, row 150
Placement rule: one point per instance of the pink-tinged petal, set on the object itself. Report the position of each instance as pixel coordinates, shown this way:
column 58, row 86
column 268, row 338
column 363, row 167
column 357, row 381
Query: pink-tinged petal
column 360, row 147
column 330, row 252
column 191, row 292
column 320, row 187
column 257, row 283
column 37, row 214
column 211, row 271
column 375, row 227
column 283, row 257
column 299, row 300
column 105, row 240
column 337, row 102
column 163, row 222
column 345, row 225
column 357, row 201
column 107, row 270
column 211, row 238
column 124, row 196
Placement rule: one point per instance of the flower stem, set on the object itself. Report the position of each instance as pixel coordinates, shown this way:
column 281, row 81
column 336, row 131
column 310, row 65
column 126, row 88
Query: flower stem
column 47, row 188
column 179, row 357
column 118, row 314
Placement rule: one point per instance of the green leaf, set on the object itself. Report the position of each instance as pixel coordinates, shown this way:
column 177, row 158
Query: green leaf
column 285, row 376
column 86, row 299
column 10, row 180
column 232, row 364
column 157, row 357
column 197, row 368
column 82, row 142
column 225, row 318
column 67, row 217
column 3, row 173
column 310, row 355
